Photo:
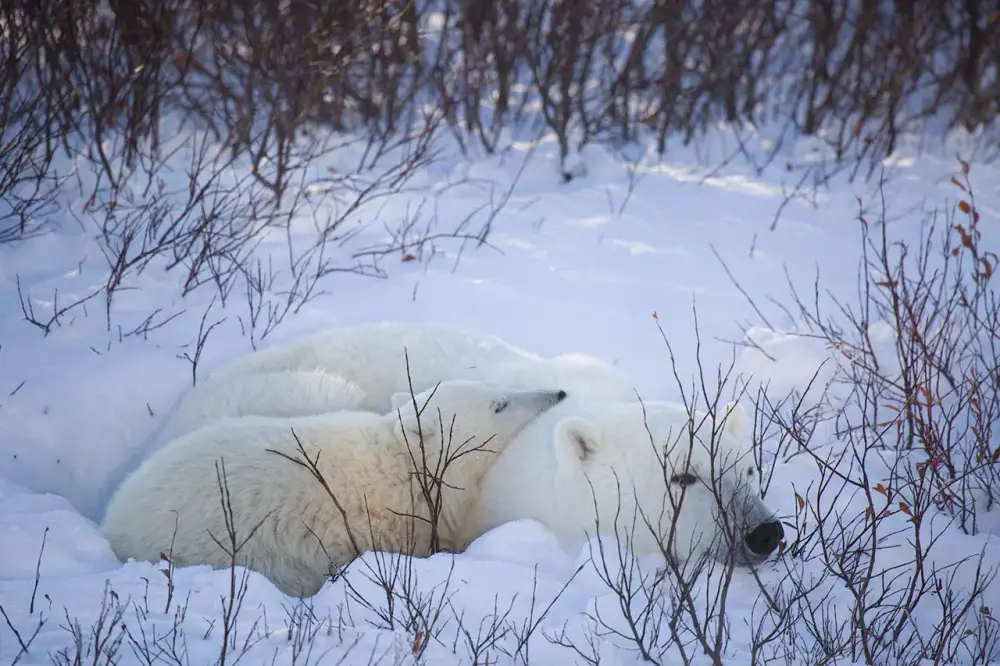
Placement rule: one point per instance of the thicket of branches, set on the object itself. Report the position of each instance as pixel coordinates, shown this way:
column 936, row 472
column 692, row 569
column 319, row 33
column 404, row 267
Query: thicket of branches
column 892, row 458
column 111, row 84
column 114, row 85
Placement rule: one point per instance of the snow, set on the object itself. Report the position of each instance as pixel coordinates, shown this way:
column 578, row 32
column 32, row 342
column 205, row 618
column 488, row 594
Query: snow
column 568, row 267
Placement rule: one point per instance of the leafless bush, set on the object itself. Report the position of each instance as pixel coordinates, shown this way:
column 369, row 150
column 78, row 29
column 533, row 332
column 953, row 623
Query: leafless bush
column 102, row 641
column 918, row 355
column 868, row 571
column 109, row 91
column 910, row 406
column 21, row 634
column 613, row 70
column 111, row 83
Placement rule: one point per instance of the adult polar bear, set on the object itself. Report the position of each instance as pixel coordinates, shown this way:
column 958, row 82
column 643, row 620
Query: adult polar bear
column 293, row 530
column 649, row 473
column 369, row 365
column 631, row 454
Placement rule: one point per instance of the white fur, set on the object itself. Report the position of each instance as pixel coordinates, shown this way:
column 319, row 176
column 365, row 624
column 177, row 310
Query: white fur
column 583, row 450
column 279, row 394
column 294, row 530
column 373, row 358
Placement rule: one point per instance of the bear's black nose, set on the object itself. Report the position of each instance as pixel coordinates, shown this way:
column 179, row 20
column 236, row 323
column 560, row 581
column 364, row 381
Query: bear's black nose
column 764, row 539
column 560, row 395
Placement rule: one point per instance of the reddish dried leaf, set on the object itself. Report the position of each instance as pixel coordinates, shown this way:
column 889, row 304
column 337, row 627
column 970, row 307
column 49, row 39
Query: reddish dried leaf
column 904, row 507
column 800, row 501
column 408, row 257
column 964, row 207
column 181, row 59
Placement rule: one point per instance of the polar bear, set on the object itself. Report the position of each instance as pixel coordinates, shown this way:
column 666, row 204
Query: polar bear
column 373, row 357
column 634, row 470
column 279, row 394
column 292, row 524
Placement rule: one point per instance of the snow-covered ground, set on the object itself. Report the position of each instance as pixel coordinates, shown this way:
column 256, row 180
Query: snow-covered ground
column 579, row 266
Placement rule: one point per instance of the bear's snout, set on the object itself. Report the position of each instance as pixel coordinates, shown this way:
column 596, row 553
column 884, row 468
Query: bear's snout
column 764, row 539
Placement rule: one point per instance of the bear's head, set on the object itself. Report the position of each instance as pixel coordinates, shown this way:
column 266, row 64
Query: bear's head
column 669, row 484
column 455, row 431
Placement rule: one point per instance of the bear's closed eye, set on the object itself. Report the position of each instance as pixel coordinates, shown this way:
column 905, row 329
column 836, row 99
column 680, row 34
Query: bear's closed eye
column 500, row 405
column 684, row 480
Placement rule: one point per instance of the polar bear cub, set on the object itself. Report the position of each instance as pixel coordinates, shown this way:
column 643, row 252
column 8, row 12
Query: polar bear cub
column 646, row 473
column 292, row 527
column 373, row 357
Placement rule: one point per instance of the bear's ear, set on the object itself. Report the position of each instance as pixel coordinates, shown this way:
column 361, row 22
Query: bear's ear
column 400, row 399
column 735, row 420
column 409, row 430
column 577, row 440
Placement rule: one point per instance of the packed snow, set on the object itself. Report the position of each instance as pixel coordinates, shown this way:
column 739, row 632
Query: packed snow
column 633, row 244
